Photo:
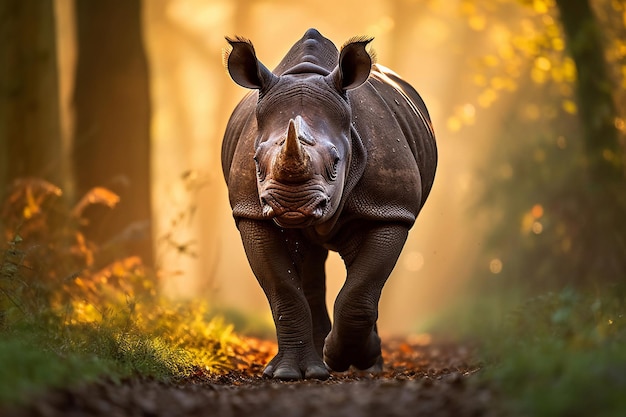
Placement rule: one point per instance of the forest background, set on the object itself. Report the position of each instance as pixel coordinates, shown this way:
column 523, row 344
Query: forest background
column 115, row 110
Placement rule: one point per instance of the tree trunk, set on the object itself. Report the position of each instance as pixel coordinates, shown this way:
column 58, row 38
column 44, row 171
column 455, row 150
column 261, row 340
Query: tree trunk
column 30, row 141
column 112, row 135
column 594, row 89
column 602, row 233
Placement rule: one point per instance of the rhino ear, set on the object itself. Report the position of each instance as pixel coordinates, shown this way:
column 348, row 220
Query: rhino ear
column 355, row 64
column 244, row 67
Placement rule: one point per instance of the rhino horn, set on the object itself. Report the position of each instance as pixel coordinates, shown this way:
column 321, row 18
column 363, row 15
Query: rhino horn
column 293, row 162
column 292, row 148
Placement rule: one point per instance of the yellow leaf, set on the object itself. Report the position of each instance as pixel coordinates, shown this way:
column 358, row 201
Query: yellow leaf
column 569, row 70
column 477, row 22
column 540, row 6
column 543, row 63
column 468, row 7
column 27, row 213
column 527, row 223
column 558, row 44
column 570, row 106
column 32, row 207
column 491, row 60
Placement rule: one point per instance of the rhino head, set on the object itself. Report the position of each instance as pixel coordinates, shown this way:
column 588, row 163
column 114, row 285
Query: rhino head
column 303, row 145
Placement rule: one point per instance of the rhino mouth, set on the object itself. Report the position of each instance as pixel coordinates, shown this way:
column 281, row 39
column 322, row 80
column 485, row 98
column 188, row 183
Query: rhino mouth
column 291, row 206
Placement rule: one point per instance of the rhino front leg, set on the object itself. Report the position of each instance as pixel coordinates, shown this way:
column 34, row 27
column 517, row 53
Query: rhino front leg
column 370, row 256
column 314, row 284
column 276, row 271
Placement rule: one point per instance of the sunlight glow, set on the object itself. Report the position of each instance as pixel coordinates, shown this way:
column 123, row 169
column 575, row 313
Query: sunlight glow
column 199, row 15
column 381, row 27
column 487, row 98
column 414, row 261
column 495, row 266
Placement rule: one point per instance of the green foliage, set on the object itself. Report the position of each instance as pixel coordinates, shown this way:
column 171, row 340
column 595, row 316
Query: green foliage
column 561, row 354
column 67, row 316
column 27, row 366
column 557, row 228
column 550, row 225
column 553, row 220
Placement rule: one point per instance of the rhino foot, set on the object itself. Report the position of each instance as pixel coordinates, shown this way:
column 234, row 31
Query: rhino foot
column 374, row 369
column 291, row 369
column 366, row 357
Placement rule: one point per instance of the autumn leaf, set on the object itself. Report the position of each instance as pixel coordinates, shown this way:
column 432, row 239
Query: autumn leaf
column 97, row 195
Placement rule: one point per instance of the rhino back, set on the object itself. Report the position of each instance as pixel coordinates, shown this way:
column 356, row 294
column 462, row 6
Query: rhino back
column 313, row 49
column 394, row 126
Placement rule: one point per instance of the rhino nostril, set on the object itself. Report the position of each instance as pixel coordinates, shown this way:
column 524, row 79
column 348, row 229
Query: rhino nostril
column 321, row 206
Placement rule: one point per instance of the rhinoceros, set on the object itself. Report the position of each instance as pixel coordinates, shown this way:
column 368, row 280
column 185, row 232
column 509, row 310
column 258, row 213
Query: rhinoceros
column 329, row 151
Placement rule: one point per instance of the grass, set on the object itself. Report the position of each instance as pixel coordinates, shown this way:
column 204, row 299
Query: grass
column 564, row 354
column 29, row 364
column 557, row 354
column 68, row 317
column 37, row 355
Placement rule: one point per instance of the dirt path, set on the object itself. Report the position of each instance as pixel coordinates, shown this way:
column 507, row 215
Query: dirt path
column 420, row 378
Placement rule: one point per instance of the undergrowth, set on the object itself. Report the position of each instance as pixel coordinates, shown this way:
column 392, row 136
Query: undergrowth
column 67, row 317
column 561, row 354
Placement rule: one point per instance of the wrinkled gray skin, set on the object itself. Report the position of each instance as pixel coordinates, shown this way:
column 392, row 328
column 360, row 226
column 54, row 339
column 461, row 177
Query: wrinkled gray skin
column 328, row 152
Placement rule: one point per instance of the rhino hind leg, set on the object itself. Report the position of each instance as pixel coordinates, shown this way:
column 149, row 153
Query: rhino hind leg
column 370, row 257
column 272, row 262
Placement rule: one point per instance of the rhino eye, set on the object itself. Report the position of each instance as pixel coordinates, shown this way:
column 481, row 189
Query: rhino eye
column 332, row 169
column 260, row 173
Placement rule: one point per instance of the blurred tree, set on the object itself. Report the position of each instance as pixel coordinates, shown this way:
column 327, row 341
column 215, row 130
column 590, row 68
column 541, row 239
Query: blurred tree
column 598, row 114
column 555, row 191
column 112, row 134
column 30, row 141
column 604, row 237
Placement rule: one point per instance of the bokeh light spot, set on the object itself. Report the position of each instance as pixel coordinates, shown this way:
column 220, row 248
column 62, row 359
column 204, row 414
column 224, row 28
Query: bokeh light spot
column 495, row 266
